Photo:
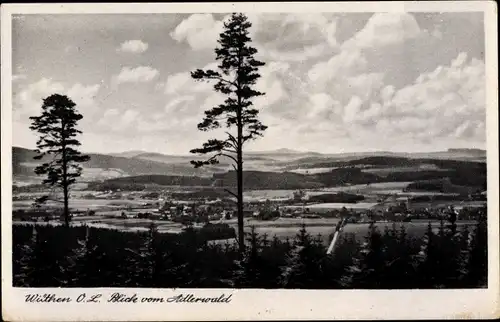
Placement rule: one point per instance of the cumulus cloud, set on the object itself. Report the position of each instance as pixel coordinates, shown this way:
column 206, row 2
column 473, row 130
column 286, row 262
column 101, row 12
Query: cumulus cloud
column 133, row 46
column 271, row 83
column 444, row 103
column 28, row 100
column 119, row 121
column 384, row 29
column 336, row 93
column 322, row 106
column 200, row 31
column 183, row 82
column 285, row 37
column 292, row 37
column 141, row 74
column 335, row 97
column 335, row 69
column 185, row 101
column 441, row 106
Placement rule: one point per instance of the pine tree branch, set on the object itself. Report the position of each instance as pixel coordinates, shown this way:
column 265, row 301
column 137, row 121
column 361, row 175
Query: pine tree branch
column 223, row 80
column 200, row 74
column 227, row 155
column 232, row 139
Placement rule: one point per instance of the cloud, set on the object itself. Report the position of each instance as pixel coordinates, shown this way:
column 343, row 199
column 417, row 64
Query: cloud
column 28, row 100
column 272, row 83
column 173, row 112
column 133, row 46
column 18, row 77
column 160, row 86
column 83, row 95
column 200, row 31
column 349, row 95
column 141, row 74
column 123, row 122
column 322, row 106
column 316, row 88
column 459, row 61
column 292, row 37
column 365, row 85
column 284, row 37
column 336, row 94
column 183, row 82
column 128, row 117
column 331, row 81
column 178, row 105
column 384, row 29
column 346, row 63
column 446, row 103
column 346, row 103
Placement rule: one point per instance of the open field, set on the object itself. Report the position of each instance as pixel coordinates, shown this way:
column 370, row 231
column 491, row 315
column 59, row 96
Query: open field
column 86, row 204
column 374, row 188
column 325, row 207
column 380, row 187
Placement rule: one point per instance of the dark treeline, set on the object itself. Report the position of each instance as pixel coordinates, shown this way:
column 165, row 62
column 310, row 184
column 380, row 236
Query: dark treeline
column 165, row 180
column 139, row 183
column 464, row 176
column 342, row 197
column 397, row 162
column 48, row 256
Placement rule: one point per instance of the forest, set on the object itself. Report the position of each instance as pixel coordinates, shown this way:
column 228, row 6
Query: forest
column 58, row 256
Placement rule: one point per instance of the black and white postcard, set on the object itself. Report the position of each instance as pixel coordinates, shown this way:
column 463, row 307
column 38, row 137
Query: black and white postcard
column 249, row 161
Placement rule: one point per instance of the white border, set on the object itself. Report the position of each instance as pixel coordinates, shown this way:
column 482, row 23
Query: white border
column 262, row 304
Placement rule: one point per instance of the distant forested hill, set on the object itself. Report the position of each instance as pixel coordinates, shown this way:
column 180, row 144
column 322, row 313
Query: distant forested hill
column 102, row 166
column 148, row 168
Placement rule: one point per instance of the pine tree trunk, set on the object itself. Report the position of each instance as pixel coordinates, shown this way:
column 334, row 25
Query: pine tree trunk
column 65, row 177
column 241, row 237
column 66, row 208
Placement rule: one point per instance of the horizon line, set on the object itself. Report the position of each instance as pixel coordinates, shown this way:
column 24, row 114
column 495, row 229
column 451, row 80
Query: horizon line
column 278, row 149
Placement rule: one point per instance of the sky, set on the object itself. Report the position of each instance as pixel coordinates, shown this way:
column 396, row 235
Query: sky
column 334, row 82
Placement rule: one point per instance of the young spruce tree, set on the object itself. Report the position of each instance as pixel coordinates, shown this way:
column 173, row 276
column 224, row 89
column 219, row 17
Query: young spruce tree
column 57, row 128
column 235, row 78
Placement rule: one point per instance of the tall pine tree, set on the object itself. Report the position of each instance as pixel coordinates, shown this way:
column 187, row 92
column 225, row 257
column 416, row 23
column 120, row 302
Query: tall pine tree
column 477, row 274
column 369, row 265
column 248, row 269
column 57, row 128
column 236, row 76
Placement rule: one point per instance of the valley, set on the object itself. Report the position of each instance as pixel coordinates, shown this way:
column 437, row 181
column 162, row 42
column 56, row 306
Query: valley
column 131, row 190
